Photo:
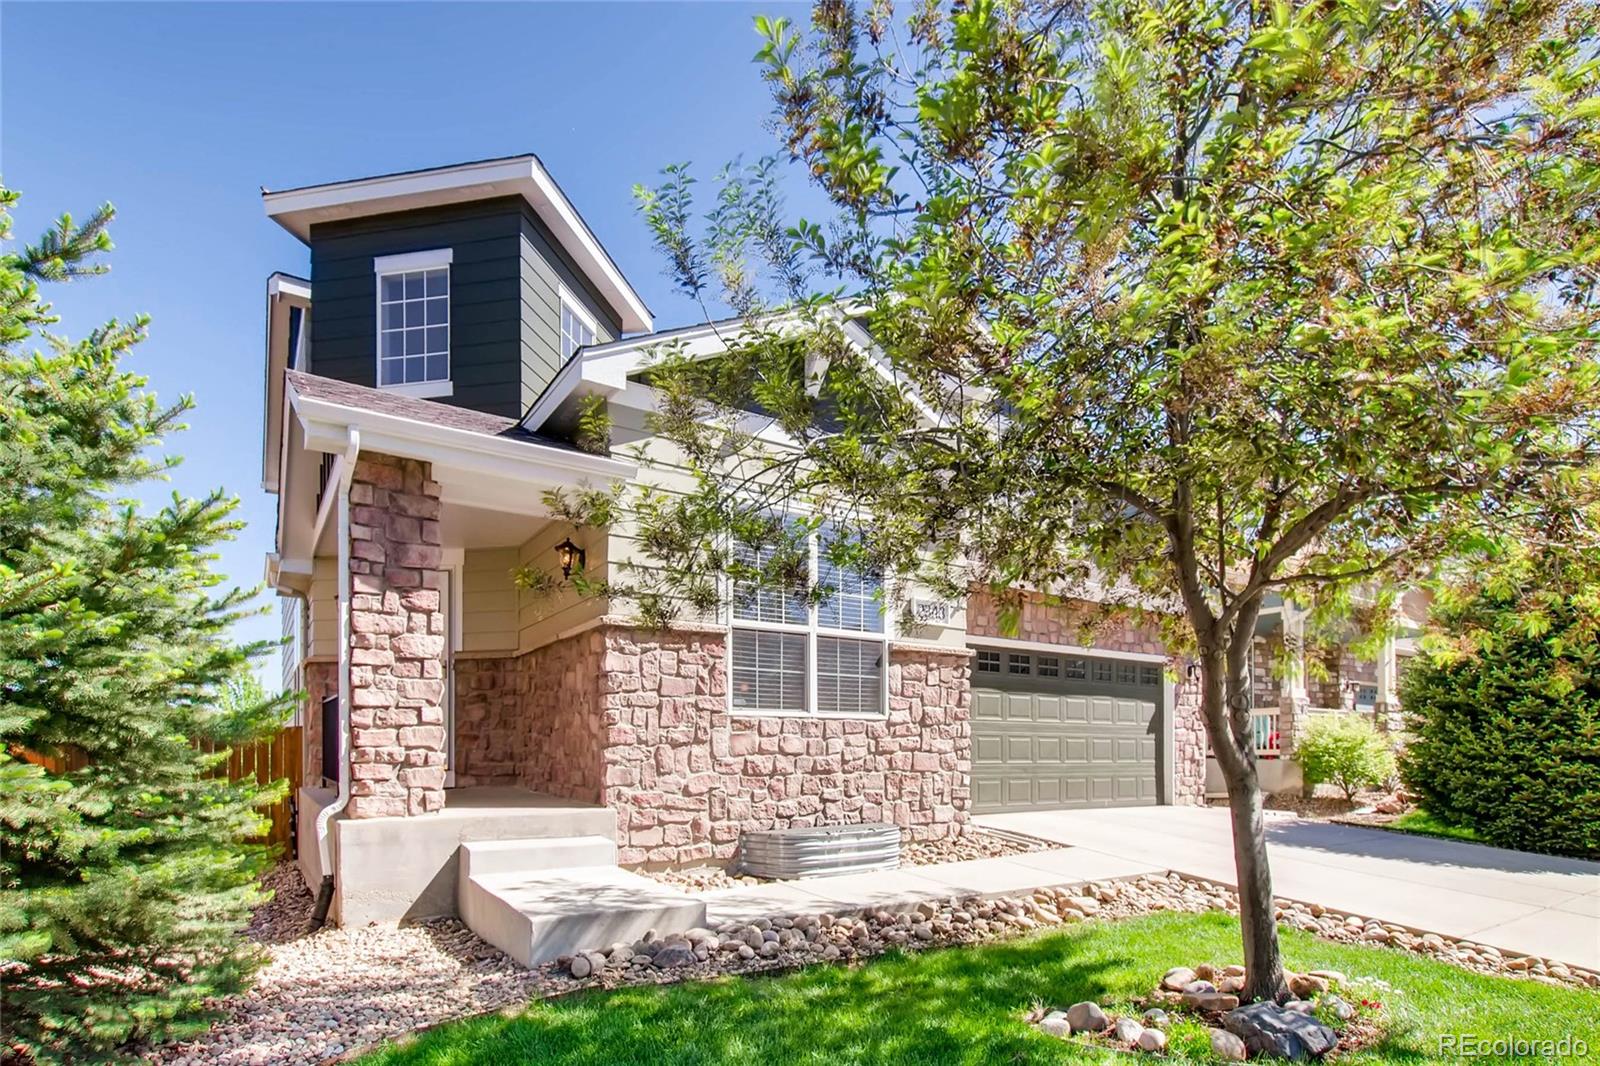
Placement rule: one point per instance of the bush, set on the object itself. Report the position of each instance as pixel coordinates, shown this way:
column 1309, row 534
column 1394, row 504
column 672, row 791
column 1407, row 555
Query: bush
column 1507, row 741
column 1346, row 751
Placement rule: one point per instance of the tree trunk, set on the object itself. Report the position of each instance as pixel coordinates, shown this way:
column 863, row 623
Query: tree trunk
column 1263, row 960
column 1225, row 701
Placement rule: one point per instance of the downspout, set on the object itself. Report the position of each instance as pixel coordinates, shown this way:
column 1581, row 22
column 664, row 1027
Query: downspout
column 347, row 470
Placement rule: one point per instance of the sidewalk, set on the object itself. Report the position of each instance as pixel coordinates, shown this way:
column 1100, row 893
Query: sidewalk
column 1012, row 875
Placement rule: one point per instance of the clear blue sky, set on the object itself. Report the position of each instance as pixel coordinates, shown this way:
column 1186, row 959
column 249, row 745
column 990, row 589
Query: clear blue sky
column 179, row 113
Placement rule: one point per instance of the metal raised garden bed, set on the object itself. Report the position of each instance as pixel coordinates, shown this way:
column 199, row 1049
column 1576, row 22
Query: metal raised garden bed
column 818, row 851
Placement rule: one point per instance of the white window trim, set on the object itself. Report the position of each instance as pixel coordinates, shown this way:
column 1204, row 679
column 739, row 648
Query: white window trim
column 811, row 630
column 578, row 308
column 566, row 301
column 430, row 259
column 422, row 390
column 426, row 260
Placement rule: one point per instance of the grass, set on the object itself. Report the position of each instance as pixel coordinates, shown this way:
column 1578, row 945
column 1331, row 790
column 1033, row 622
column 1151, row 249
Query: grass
column 964, row 1005
column 1420, row 821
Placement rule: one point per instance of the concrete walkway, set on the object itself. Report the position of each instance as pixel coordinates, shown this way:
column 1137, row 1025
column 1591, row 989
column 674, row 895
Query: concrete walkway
column 898, row 888
column 1514, row 901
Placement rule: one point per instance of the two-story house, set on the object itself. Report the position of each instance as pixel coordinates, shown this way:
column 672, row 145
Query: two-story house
column 421, row 386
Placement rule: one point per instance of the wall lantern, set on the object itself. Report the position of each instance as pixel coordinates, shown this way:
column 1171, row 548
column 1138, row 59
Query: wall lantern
column 571, row 557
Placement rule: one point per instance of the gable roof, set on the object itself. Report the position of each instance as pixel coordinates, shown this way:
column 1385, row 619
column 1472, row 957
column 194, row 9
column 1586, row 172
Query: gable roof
column 428, row 412
column 296, row 210
column 605, row 368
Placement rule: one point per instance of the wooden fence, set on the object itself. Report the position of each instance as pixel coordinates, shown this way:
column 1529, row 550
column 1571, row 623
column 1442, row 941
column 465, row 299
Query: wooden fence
column 266, row 761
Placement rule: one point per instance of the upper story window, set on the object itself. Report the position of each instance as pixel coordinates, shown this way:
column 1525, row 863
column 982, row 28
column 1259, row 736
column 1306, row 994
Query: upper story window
column 414, row 322
column 790, row 655
column 577, row 326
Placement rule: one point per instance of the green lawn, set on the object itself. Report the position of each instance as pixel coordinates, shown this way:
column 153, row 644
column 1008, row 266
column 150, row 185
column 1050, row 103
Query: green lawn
column 1420, row 821
column 964, row 1005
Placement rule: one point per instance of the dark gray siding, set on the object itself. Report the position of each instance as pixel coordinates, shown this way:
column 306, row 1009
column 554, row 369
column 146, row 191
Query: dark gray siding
column 505, row 316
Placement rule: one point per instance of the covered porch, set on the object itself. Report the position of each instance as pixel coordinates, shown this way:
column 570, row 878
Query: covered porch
column 402, row 525
column 1288, row 689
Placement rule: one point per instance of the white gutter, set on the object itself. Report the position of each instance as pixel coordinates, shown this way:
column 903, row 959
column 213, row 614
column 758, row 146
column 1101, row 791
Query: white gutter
column 347, row 469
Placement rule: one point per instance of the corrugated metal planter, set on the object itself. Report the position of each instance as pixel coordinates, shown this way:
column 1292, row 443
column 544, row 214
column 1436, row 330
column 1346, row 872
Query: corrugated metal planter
column 817, row 851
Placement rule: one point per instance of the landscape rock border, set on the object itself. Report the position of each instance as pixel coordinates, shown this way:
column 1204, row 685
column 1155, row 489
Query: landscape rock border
column 340, row 992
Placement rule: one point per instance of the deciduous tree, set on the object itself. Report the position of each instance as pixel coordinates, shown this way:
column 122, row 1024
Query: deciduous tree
column 1202, row 302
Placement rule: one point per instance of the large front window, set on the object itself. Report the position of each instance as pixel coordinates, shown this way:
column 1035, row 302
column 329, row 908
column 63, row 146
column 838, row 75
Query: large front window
column 792, row 656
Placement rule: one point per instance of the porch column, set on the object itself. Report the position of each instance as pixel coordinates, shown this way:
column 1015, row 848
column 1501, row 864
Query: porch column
column 1293, row 703
column 1386, row 711
column 397, row 652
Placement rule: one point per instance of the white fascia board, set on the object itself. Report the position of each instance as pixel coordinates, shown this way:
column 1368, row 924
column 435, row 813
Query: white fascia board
column 326, row 427
column 606, row 368
column 297, row 209
column 288, row 285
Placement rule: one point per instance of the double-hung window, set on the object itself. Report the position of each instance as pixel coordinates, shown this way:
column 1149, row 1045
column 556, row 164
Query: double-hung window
column 414, row 322
column 792, row 656
column 577, row 326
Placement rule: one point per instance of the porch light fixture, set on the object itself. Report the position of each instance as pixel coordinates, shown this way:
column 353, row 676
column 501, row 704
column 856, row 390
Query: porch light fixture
column 571, row 556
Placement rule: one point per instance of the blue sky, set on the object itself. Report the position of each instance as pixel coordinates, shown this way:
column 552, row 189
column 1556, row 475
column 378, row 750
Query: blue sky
column 180, row 113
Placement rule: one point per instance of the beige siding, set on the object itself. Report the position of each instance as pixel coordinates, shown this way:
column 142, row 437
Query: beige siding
column 543, row 618
column 322, row 610
column 664, row 469
column 488, row 600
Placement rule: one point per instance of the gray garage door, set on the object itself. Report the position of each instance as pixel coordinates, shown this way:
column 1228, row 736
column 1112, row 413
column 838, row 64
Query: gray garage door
column 1063, row 730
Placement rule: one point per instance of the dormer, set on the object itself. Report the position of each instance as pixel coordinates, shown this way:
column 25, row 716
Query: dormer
column 471, row 285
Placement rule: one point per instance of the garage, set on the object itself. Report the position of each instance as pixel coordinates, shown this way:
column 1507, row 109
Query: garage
column 1056, row 730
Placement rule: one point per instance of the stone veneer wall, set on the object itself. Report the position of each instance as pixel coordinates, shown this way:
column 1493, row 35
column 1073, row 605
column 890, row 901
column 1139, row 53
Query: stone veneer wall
column 533, row 720
column 320, row 679
column 397, row 640
column 1048, row 623
column 490, row 695
column 1265, row 688
column 686, row 775
column 638, row 720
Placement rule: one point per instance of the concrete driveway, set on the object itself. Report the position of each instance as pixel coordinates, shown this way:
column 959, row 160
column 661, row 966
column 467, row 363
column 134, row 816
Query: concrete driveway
column 1521, row 903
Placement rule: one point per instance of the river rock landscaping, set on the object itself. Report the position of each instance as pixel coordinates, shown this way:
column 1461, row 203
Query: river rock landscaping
column 338, row 990
column 1319, row 1020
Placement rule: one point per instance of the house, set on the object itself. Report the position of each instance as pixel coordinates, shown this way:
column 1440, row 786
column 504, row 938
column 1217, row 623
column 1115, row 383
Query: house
column 421, row 385
column 1296, row 676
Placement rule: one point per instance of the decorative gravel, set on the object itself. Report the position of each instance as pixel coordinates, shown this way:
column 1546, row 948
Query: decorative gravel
column 342, row 990
column 975, row 844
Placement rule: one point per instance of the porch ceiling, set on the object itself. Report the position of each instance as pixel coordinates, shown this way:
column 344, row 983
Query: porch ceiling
column 463, row 526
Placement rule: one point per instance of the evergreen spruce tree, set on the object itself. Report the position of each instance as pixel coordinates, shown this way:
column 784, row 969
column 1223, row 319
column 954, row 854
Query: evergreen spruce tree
column 125, row 876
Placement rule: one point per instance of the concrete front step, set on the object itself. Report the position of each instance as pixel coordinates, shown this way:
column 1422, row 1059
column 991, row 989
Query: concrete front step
column 531, row 855
column 536, row 916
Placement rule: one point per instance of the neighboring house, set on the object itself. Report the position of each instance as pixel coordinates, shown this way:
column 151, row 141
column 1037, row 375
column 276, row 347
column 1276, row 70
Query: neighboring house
column 420, row 394
column 1296, row 676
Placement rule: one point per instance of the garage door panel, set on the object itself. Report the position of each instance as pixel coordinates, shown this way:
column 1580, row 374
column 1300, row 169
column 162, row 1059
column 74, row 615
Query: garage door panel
column 1038, row 750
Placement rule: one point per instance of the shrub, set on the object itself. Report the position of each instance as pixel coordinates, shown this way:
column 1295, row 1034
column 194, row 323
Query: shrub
column 1506, row 741
column 1346, row 751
